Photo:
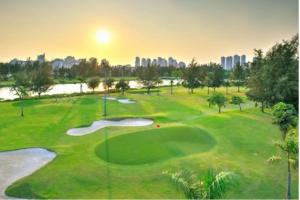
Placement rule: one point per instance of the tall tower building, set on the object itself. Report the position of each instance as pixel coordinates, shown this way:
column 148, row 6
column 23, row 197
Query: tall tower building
column 154, row 62
column 148, row 61
column 41, row 58
column 228, row 62
column 223, row 62
column 160, row 61
column 137, row 62
column 236, row 60
column 144, row 62
column 243, row 59
column 165, row 63
column 170, row 61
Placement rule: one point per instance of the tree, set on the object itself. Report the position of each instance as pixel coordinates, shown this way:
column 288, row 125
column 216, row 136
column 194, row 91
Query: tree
column 256, row 81
column 237, row 100
column 93, row 83
column 148, row 76
column 105, row 68
column 41, row 80
column 274, row 78
column 122, row 85
column 285, row 116
column 281, row 72
column 108, row 83
column 217, row 77
column 212, row 75
column 217, row 99
column 210, row 186
column 21, row 87
column 208, row 81
column 190, row 77
column 226, row 84
column 175, row 74
column 238, row 75
column 290, row 148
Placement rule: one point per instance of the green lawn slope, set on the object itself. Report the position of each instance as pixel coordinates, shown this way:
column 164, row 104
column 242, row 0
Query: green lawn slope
column 191, row 135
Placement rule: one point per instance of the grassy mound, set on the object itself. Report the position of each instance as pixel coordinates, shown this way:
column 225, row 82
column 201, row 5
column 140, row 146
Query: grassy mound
column 155, row 145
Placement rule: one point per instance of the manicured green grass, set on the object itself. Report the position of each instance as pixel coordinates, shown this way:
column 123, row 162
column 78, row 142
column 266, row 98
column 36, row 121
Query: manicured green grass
column 235, row 141
column 155, row 145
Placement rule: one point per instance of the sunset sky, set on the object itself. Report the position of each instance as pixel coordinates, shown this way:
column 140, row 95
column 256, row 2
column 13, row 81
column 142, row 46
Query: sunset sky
column 183, row 29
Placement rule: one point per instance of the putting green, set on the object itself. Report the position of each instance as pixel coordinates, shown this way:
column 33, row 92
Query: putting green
column 155, row 145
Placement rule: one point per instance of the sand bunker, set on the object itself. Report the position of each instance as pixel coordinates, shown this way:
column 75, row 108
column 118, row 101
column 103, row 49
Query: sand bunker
column 126, row 101
column 20, row 163
column 111, row 98
column 105, row 123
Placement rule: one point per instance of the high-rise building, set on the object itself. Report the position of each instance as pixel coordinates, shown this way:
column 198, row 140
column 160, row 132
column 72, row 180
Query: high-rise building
column 160, row 61
column 137, row 62
column 148, row 61
column 41, row 58
column 175, row 64
column 243, row 59
column 170, row 61
column 236, row 60
column 144, row 62
column 154, row 62
column 165, row 63
column 228, row 63
column 223, row 62
column 181, row 64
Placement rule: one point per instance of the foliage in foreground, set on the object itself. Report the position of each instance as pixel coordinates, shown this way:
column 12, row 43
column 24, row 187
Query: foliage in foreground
column 290, row 148
column 210, row 186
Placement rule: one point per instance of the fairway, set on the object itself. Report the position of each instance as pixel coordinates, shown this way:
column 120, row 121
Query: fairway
column 190, row 135
column 155, row 145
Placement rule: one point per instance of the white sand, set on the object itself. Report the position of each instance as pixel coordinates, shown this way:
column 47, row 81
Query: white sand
column 125, row 101
column 111, row 98
column 105, row 123
column 17, row 164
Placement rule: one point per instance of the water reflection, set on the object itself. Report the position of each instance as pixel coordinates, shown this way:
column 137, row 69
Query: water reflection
column 6, row 94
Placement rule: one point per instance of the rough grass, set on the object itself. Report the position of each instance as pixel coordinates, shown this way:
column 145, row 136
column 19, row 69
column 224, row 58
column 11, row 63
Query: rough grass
column 243, row 143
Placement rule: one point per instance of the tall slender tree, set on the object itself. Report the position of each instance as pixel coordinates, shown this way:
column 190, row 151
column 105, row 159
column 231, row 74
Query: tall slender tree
column 238, row 75
column 290, row 150
column 256, row 81
column 21, row 87
column 190, row 77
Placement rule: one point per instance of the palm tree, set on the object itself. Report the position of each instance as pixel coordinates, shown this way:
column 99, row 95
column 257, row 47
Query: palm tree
column 211, row 186
column 290, row 148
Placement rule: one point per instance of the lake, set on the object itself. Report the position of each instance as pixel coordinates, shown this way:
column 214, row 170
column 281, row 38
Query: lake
column 6, row 94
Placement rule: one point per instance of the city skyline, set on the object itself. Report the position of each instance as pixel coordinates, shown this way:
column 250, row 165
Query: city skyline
column 200, row 29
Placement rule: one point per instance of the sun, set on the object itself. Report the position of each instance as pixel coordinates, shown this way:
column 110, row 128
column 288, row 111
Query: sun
column 103, row 36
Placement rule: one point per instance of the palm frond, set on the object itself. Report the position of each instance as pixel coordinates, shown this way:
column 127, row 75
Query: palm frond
column 274, row 159
column 186, row 181
column 219, row 184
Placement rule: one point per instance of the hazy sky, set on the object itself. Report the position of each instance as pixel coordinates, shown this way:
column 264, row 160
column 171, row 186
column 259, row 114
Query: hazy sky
column 204, row 29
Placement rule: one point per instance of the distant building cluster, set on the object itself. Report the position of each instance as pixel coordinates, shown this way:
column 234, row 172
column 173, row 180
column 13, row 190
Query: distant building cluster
column 162, row 62
column 68, row 62
column 57, row 63
column 40, row 59
column 229, row 62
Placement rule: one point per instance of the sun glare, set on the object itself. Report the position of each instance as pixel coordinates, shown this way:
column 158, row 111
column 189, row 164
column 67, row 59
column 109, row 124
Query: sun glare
column 103, row 36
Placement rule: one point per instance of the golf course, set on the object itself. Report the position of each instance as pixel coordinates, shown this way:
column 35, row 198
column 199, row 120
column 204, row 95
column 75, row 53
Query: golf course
column 129, row 161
